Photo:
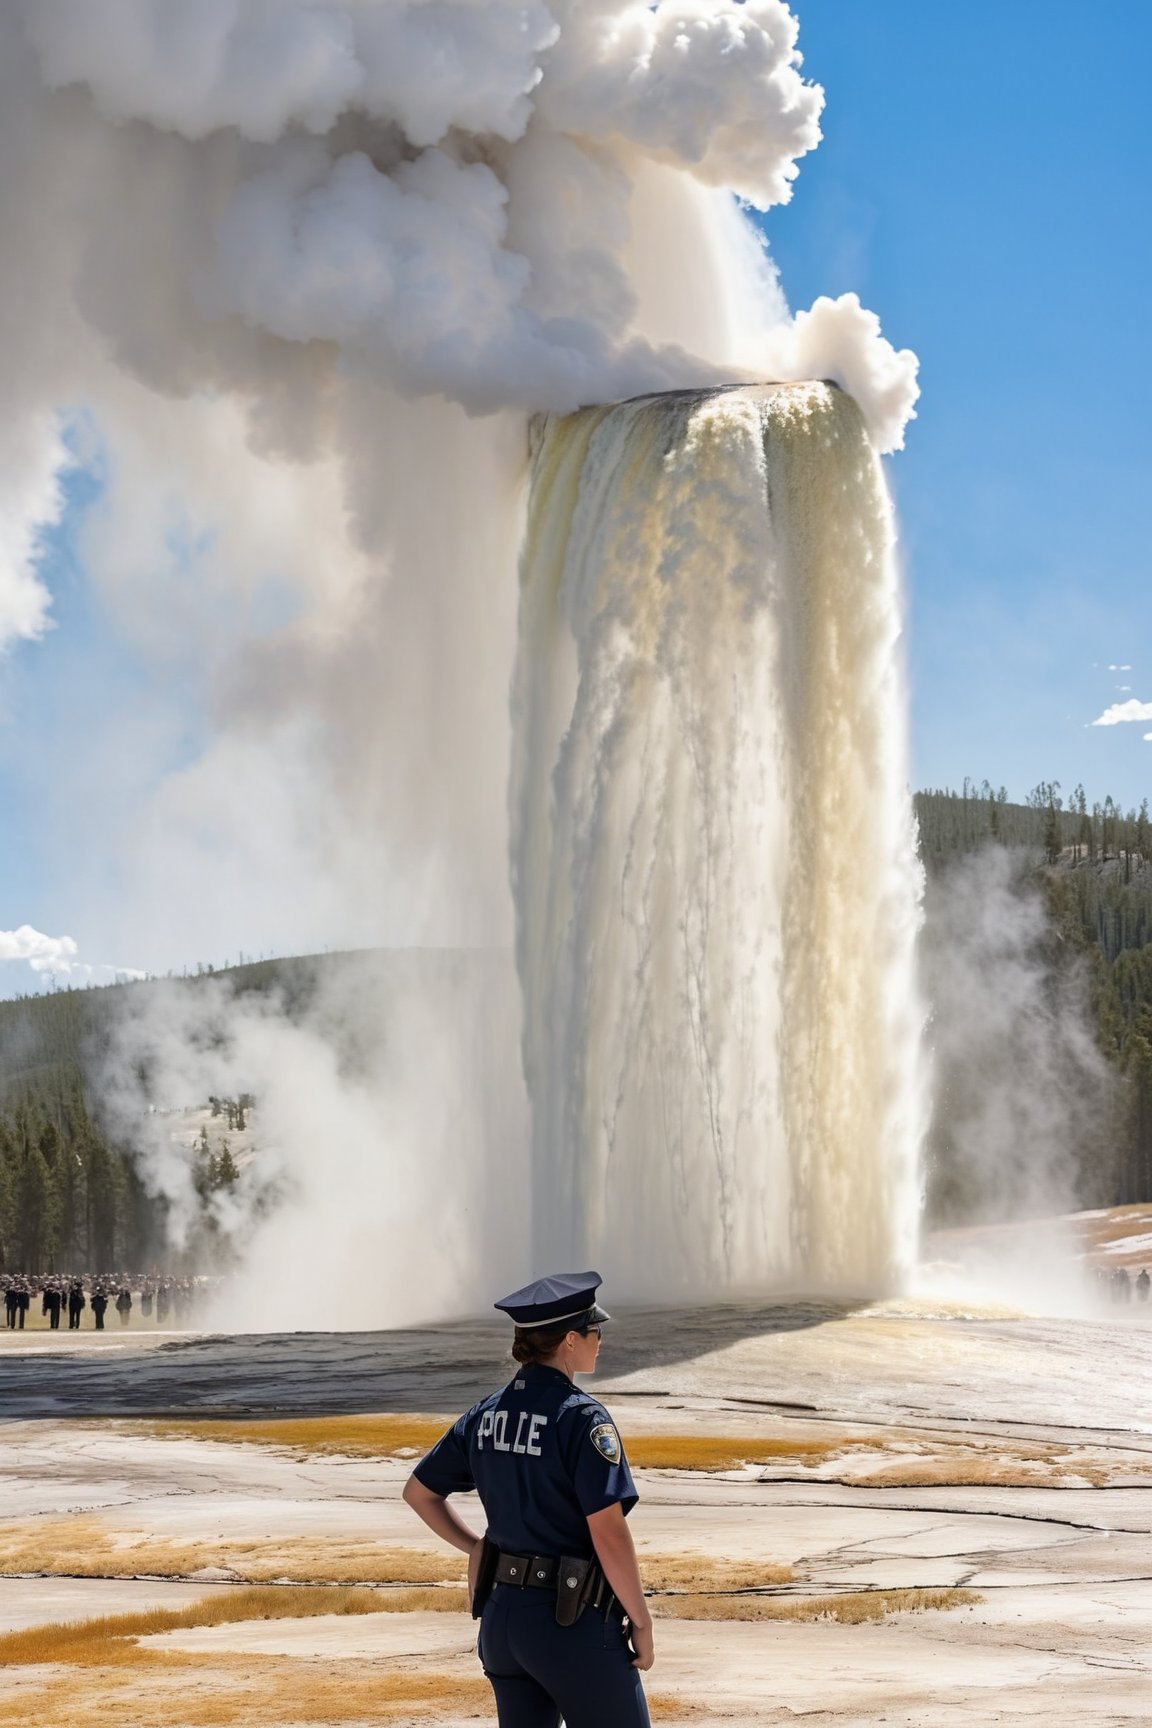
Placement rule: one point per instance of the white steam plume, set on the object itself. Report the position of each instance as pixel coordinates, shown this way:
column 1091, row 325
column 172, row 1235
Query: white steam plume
column 1022, row 1089
column 388, row 1125
column 277, row 260
column 350, row 173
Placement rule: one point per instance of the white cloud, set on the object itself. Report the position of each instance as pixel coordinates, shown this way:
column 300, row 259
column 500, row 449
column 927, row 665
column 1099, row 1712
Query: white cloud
column 58, row 955
column 1119, row 668
column 1120, row 712
column 43, row 953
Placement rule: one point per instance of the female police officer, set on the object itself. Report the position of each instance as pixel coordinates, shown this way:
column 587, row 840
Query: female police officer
column 555, row 1579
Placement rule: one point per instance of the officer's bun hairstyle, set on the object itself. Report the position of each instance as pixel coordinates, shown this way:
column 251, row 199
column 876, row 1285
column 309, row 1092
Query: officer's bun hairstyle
column 537, row 1343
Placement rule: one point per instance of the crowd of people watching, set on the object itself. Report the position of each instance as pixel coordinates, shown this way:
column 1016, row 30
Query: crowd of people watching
column 1118, row 1283
column 159, row 1299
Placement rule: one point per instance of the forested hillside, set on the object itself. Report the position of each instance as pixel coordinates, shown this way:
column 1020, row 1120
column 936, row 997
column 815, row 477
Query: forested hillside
column 1092, row 864
column 70, row 1196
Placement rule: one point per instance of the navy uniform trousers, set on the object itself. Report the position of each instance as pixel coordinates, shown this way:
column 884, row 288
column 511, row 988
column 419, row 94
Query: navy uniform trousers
column 542, row 1672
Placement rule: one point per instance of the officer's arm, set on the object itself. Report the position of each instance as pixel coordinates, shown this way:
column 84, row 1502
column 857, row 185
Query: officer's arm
column 612, row 1541
column 439, row 1516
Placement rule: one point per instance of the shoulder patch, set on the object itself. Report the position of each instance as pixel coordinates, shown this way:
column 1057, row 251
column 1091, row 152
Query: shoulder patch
column 606, row 1441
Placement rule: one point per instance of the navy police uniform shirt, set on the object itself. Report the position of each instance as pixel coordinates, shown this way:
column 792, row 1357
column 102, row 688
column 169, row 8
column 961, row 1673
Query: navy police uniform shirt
column 543, row 1456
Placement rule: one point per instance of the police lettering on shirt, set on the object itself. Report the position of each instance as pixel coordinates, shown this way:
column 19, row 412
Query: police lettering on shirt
column 493, row 1426
column 543, row 1454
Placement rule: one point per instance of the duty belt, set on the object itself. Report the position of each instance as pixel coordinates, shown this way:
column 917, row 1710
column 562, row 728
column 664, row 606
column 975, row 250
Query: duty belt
column 529, row 1571
column 578, row 1583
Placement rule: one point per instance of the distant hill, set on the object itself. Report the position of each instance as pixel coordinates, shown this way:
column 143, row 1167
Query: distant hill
column 44, row 1040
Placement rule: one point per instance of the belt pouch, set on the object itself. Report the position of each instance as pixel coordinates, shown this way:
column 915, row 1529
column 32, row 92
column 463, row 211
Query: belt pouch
column 572, row 1590
column 485, row 1576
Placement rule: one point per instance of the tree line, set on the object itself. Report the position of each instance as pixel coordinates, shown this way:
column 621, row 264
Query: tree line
column 71, row 1197
column 951, row 823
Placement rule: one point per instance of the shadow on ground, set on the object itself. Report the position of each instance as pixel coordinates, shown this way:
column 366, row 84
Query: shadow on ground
column 424, row 1369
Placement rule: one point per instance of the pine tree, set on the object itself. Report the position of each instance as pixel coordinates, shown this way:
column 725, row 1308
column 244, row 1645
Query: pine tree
column 1053, row 839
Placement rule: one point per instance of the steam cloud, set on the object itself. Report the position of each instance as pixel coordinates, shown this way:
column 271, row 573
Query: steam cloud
column 1022, row 1088
column 283, row 277
column 387, row 1054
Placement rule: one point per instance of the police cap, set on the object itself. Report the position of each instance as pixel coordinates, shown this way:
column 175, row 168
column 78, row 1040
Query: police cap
column 561, row 1296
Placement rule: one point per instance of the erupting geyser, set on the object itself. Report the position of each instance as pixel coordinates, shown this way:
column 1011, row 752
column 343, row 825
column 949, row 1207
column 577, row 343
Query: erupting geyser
column 712, row 847
column 288, row 281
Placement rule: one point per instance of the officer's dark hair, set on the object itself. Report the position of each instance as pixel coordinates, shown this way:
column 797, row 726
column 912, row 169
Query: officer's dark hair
column 538, row 1343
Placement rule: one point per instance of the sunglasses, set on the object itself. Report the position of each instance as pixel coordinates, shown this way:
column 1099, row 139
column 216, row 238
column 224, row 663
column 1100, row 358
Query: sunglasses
column 596, row 1331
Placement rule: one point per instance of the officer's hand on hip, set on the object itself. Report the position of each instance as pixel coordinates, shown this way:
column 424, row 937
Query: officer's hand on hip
column 474, row 1567
column 640, row 1637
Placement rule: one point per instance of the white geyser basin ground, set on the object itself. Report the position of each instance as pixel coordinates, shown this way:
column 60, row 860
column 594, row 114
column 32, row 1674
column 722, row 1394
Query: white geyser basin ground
column 932, row 1446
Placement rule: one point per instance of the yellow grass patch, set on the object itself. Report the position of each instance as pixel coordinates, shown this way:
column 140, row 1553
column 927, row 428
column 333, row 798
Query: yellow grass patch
column 83, row 1547
column 387, row 1436
column 380, row 1436
column 851, row 1608
column 893, row 1459
column 919, row 1461
column 714, row 1452
column 699, row 1572
column 984, row 1470
column 273, row 1692
column 182, row 1689
column 111, row 1638
column 261, row 1692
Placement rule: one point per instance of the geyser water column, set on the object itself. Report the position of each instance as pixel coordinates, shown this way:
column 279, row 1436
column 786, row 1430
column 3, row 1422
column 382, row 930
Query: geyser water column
column 713, row 857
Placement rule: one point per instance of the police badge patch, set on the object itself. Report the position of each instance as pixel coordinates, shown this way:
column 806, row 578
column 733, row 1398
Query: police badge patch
column 606, row 1441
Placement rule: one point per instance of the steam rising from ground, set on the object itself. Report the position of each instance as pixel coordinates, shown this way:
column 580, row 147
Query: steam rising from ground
column 267, row 265
column 1023, row 1092
column 389, row 1127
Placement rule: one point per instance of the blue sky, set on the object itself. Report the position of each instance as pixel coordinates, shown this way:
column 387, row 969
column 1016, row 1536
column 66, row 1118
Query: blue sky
column 983, row 185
